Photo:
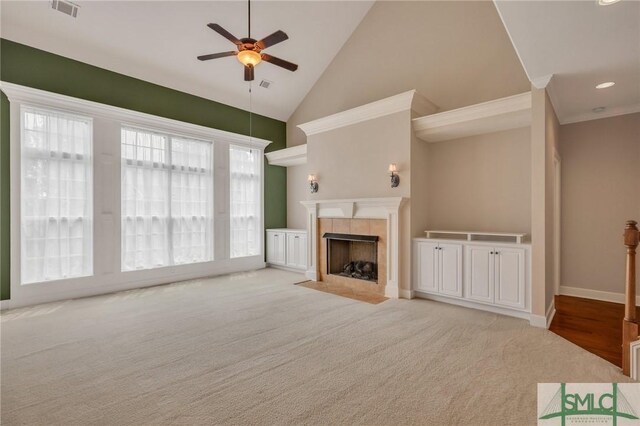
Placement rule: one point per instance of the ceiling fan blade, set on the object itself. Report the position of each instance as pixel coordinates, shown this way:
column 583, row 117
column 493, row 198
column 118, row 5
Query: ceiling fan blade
column 217, row 55
column 248, row 73
column 272, row 39
column 279, row 62
column 224, row 33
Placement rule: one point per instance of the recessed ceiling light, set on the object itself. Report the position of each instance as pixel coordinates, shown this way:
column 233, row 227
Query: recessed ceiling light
column 605, row 85
column 599, row 109
column 607, row 2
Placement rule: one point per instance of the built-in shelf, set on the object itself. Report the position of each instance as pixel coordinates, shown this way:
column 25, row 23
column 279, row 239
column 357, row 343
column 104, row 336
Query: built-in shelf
column 477, row 236
column 501, row 114
column 294, row 156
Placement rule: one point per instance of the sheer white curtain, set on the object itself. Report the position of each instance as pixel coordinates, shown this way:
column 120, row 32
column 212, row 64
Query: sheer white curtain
column 145, row 200
column 191, row 200
column 56, row 196
column 245, row 169
column 167, row 200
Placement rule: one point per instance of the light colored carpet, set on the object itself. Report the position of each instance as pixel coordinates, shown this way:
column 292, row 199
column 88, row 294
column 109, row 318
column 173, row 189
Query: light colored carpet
column 255, row 349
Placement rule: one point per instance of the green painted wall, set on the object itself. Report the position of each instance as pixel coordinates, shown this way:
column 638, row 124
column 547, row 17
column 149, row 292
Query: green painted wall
column 24, row 65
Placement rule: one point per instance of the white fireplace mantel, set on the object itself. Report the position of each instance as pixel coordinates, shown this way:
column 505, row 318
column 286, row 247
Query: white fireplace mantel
column 358, row 208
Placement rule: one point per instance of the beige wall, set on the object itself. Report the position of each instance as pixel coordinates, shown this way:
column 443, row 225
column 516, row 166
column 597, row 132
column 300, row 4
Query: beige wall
column 352, row 162
column 480, row 183
column 538, row 201
column 297, row 190
column 552, row 128
column 600, row 191
column 454, row 53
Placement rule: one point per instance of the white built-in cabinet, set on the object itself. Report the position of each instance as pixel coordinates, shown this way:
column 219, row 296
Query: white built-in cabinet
column 287, row 248
column 439, row 267
column 485, row 275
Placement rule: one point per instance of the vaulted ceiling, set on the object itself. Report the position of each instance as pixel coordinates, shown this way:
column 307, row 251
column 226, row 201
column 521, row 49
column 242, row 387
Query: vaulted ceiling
column 158, row 41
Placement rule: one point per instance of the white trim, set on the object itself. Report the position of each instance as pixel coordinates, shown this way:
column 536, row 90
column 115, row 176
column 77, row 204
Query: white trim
column 634, row 351
column 468, row 304
column 293, row 156
column 222, row 267
column 609, row 112
column 544, row 321
column 359, row 208
column 507, row 113
column 406, row 101
column 605, row 296
column 286, row 268
column 37, row 97
column 107, row 276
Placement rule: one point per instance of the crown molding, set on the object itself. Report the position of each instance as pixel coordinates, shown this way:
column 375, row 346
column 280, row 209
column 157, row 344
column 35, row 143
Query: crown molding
column 36, row 97
column 294, row 156
column 609, row 112
column 406, row 101
column 500, row 114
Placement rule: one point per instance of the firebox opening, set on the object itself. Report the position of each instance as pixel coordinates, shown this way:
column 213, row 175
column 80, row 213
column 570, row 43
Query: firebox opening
column 352, row 256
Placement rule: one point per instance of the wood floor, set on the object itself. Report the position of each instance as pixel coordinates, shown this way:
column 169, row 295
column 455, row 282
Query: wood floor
column 591, row 324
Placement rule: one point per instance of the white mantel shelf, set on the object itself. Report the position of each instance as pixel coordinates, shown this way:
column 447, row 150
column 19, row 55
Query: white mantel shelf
column 477, row 236
column 512, row 112
column 294, row 156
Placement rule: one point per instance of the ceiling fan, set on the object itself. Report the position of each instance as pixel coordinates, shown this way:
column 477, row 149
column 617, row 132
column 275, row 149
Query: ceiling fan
column 249, row 51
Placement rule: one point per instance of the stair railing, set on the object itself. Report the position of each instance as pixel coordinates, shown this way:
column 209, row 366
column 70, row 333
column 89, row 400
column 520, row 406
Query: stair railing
column 629, row 323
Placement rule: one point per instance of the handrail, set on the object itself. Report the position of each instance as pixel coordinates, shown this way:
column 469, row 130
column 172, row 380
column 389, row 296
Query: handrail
column 629, row 324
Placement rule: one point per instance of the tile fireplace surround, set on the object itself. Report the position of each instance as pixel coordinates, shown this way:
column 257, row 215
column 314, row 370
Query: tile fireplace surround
column 375, row 227
column 364, row 216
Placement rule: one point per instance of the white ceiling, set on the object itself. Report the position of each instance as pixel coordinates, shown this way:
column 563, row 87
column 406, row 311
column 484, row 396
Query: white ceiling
column 158, row 42
column 581, row 44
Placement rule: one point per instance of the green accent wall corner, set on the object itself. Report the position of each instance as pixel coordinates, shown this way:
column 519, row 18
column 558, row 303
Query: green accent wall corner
column 28, row 66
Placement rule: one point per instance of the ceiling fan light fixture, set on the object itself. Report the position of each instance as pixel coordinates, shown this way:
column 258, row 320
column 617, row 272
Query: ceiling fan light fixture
column 249, row 58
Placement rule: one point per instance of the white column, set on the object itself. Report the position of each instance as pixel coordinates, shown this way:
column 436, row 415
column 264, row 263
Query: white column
column 312, row 245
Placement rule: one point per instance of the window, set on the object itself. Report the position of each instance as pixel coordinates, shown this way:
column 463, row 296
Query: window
column 167, row 200
column 245, row 167
column 56, row 196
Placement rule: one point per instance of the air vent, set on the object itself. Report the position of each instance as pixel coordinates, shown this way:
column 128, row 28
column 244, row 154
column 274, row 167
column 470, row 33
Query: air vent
column 266, row 83
column 65, row 7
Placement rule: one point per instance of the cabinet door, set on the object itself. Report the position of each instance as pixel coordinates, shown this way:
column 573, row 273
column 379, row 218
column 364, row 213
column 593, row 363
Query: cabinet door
column 296, row 250
column 450, row 269
column 271, row 247
column 426, row 266
column 510, row 277
column 302, row 251
column 479, row 272
column 276, row 248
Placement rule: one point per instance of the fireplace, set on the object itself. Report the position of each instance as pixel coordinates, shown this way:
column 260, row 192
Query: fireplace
column 352, row 256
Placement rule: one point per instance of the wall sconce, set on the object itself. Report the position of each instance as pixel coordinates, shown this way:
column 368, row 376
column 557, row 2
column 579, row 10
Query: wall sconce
column 395, row 179
column 313, row 183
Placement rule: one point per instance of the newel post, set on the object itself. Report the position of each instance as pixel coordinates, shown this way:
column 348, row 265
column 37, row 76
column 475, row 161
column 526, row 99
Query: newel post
column 629, row 324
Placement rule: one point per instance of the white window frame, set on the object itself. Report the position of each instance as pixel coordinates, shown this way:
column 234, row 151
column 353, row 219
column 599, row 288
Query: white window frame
column 170, row 137
column 23, row 109
column 107, row 278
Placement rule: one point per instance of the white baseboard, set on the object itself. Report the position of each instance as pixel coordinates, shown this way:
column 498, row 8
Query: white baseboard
column 287, row 268
column 544, row 321
column 406, row 294
column 472, row 305
column 606, row 296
